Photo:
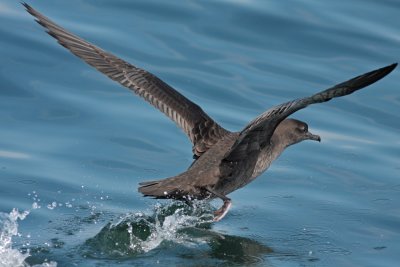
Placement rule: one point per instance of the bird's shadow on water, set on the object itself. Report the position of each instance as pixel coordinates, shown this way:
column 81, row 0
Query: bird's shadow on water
column 173, row 229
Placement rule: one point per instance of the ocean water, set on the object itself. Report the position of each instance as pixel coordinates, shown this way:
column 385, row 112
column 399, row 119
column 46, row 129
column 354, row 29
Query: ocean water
column 74, row 144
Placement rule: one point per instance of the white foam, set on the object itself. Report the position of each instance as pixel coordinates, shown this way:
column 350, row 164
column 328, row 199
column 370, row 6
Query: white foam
column 9, row 256
column 165, row 230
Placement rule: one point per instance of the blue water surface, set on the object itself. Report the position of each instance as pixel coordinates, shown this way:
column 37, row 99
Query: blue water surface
column 74, row 145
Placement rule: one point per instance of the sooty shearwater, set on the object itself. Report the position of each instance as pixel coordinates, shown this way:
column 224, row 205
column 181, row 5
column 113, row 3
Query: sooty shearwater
column 224, row 161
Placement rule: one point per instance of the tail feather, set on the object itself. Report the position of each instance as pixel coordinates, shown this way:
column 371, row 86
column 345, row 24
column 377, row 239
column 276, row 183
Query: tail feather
column 166, row 188
column 176, row 187
column 148, row 183
column 152, row 189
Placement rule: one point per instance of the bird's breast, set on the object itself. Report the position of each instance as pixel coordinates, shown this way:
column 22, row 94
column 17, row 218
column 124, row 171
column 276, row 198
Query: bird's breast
column 263, row 162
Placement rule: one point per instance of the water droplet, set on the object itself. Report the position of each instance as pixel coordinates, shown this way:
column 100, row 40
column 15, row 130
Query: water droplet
column 52, row 205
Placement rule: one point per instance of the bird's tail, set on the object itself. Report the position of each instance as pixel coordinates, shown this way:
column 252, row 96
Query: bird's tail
column 165, row 188
column 151, row 188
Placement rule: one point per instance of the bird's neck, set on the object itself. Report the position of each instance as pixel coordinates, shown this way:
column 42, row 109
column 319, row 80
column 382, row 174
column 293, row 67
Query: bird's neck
column 278, row 145
column 267, row 156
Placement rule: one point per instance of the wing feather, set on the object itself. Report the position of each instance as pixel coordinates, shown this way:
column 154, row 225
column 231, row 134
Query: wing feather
column 259, row 131
column 198, row 126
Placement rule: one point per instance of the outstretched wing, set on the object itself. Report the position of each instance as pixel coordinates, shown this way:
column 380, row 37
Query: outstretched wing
column 259, row 131
column 199, row 127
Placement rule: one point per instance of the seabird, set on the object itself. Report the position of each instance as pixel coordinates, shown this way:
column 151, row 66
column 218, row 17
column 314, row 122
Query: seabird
column 224, row 161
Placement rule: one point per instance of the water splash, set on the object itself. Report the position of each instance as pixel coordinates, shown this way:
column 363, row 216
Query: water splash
column 138, row 233
column 173, row 227
column 8, row 228
column 167, row 225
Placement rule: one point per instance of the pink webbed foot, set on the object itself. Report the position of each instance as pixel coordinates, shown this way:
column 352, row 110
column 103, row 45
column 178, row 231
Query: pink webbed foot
column 221, row 212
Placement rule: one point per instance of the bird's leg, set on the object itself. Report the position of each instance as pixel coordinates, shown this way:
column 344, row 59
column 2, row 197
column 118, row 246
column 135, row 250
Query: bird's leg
column 221, row 212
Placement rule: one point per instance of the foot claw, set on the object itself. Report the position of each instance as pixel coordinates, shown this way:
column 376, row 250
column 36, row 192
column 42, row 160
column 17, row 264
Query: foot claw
column 221, row 212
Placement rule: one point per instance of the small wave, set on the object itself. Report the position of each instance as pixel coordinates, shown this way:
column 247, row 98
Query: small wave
column 9, row 256
column 173, row 226
column 138, row 233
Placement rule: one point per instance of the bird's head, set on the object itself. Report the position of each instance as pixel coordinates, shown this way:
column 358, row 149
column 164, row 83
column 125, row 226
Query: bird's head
column 291, row 131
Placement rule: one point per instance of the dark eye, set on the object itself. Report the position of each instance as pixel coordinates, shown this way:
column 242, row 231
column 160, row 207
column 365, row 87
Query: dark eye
column 303, row 128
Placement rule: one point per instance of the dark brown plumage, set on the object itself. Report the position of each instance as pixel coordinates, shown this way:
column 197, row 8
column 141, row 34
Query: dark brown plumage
column 225, row 161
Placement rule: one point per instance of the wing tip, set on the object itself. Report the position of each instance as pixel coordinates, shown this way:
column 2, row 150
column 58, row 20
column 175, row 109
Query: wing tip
column 380, row 73
column 368, row 78
column 37, row 16
column 28, row 8
column 388, row 69
column 25, row 4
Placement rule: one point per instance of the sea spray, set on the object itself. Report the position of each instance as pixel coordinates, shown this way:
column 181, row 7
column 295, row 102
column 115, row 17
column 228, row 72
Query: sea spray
column 9, row 256
column 137, row 233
